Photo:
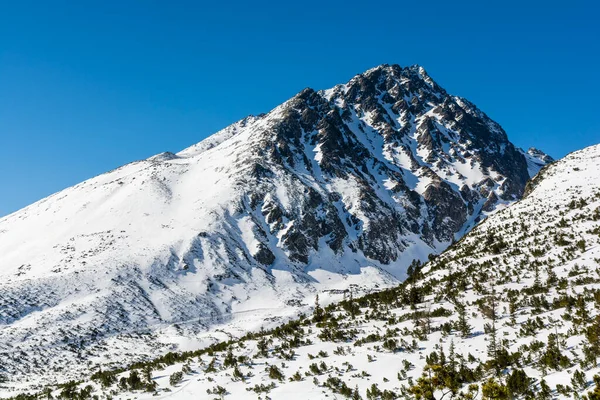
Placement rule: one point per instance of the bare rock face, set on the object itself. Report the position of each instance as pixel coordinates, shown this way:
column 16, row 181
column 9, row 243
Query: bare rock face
column 330, row 185
column 419, row 162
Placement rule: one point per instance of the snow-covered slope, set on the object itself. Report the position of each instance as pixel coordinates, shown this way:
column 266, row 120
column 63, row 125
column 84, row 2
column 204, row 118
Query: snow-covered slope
column 511, row 311
column 332, row 188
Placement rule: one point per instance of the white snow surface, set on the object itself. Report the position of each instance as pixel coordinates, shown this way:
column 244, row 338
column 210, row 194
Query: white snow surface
column 563, row 201
column 160, row 254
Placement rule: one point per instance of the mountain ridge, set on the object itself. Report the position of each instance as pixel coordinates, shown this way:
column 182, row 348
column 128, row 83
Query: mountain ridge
column 345, row 186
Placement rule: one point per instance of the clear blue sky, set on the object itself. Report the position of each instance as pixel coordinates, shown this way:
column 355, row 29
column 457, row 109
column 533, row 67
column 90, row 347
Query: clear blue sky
column 88, row 86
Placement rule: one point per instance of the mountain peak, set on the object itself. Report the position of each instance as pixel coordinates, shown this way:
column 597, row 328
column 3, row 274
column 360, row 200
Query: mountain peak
column 397, row 70
column 345, row 186
column 532, row 151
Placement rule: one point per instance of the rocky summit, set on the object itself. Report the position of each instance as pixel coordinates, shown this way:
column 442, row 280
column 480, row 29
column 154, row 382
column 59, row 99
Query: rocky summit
column 333, row 188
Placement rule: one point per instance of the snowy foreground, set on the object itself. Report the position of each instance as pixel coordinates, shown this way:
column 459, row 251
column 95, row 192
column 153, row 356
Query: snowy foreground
column 510, row 311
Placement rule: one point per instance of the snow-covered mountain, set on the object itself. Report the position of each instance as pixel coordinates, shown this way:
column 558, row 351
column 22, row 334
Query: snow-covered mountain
column 508, row 312
column 331, row 188
column 536, row 160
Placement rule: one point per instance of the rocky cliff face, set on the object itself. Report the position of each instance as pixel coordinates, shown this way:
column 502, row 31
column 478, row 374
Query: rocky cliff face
column 332, row 188
column 391, row 150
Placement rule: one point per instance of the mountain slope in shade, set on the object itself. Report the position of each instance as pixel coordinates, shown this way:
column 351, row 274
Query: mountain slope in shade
column 332, row 188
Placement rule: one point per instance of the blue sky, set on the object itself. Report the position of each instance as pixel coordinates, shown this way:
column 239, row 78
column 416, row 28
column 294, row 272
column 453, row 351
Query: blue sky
column 88, row 86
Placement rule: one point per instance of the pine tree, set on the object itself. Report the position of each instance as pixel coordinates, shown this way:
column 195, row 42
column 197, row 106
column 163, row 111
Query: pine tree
column 150, row 384
column 463, row 324
column 592, row 334
column 352, row 306
column 176, row 378
column 493, row 345
column 578, row 380
column 229, row 360
column 545, row 393
column 434, row 378
column 452, row 357
column 263, row 347
column 581, row 311
column 595, row 394
column 492, row 390
column 237, row 374
column 518, row 383
column 318, row 313
column 134, row 381
column 552, row 357
column 356, row 394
